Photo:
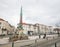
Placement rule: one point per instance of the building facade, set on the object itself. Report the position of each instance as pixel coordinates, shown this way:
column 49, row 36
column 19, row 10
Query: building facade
column 5, row 27
column 36, row 28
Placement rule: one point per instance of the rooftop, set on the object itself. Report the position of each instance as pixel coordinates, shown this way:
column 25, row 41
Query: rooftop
column 2, row 19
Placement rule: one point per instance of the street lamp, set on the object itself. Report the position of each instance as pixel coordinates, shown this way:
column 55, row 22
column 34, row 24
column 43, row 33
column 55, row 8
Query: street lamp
column 34, row 29
column 38, row 28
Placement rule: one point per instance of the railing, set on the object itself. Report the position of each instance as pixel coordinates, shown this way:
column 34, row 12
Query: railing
column 34, row 43
column 48, row 43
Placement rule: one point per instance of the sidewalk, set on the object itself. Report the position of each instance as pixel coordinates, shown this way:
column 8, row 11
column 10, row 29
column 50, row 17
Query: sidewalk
column 4, row 40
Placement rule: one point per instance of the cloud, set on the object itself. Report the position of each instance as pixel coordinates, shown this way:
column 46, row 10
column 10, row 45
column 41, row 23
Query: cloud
column 34, row 11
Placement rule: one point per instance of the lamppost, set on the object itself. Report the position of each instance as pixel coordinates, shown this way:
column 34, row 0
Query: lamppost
column 38, row 28
column 34, row 29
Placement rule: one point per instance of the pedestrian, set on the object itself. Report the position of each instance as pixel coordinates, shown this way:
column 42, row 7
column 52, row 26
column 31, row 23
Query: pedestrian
column 39, row 36
column 44, row 36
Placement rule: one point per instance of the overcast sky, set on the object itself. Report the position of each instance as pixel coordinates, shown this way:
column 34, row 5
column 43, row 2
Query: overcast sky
column 34, row 11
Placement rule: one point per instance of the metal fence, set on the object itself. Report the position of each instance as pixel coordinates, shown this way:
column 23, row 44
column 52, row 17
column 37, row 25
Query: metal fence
column 48, row 43
column 34, row 43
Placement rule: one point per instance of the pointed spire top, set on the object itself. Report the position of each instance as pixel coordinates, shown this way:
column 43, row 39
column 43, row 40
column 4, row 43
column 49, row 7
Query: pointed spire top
column 21, row 15
column 21, row 6
column 21, row 11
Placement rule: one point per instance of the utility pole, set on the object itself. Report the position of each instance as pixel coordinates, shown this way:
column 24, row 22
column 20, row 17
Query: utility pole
column 38, row 31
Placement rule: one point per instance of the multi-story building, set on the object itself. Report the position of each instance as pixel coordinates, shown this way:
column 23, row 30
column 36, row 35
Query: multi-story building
column 28, row 28
column 5, row 27
column 56, row 29
column 36, row 28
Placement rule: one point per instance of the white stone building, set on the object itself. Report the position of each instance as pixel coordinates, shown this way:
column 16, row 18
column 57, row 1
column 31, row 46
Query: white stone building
column 5, row 27
column 36, row 28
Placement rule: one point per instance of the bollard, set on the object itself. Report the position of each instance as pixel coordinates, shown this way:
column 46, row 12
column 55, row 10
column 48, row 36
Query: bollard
column 53, row 37
column 55, row 45
column 35, row 42
column 12, row 43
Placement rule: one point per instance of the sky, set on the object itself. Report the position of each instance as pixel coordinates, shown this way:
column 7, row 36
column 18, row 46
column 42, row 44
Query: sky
column 45, row 12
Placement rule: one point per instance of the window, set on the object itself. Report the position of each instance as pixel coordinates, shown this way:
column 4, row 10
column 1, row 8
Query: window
column 0, row 24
